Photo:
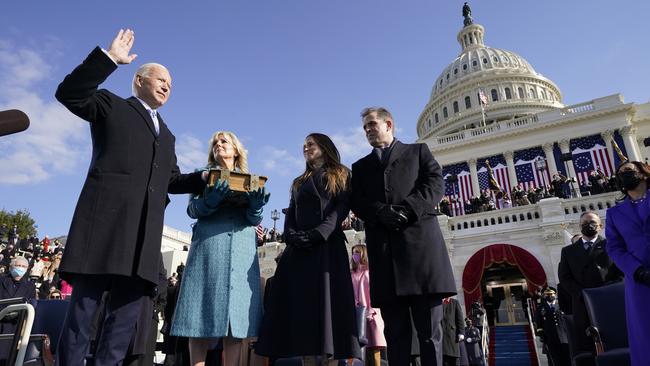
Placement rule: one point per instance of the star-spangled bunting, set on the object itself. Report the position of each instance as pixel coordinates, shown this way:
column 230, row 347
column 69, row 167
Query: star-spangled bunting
column 589, row 154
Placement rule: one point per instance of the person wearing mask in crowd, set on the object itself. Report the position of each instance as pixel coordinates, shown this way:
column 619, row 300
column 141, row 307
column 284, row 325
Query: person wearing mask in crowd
column 374, row 324
column 36, row 272
column 585, row 264
column 311, row 311
column 395, row 190
column 15, row 284
column 473, row 344
column 550, row 330
column 115, row 232
column 628, row 244
column 452, row 330
column 477, row 314
column 221, row 276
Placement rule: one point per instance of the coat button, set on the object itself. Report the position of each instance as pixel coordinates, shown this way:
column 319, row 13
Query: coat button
column 155, row 165
column 150, row 189
column 157, row 143
column 388, row 189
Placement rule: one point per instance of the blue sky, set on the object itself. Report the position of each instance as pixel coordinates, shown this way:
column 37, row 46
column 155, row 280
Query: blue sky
column 274, row 71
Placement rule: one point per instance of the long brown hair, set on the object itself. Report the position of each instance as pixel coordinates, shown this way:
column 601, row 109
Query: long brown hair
column 643, row 168
column 336, row 174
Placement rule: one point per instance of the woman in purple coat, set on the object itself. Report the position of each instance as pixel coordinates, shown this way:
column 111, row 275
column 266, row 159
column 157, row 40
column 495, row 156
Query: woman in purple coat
column 628, row 244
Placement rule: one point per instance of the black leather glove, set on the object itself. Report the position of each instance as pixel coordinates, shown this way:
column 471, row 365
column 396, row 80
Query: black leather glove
column 642, row 274
column 315, row 237
column 304, row 239
column 298, row 239
column 393, row 217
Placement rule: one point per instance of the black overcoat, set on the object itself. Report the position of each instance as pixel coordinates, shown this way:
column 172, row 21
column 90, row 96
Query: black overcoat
column 117, row 224
column 311, row 309
column 579, row 269
column 452, row 326
column 412, row 261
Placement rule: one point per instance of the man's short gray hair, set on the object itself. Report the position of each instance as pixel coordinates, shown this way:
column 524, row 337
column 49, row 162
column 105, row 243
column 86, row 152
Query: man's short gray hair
column 23, row 260
column 381, row 112
column 145, row 70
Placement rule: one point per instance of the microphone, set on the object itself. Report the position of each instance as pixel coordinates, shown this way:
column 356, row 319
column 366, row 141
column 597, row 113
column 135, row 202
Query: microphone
column 12, row 121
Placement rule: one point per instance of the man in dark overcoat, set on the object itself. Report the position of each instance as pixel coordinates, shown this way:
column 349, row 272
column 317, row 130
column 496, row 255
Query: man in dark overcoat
column 115, row 236
column 395, row 190
column 585, row 264
column 453, row 330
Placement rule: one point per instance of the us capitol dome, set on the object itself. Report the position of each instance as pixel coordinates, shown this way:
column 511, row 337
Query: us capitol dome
column 511, row 85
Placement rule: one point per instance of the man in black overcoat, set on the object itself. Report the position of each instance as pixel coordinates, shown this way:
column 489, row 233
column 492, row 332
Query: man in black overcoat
column 395, row 190
column 115, row 236
column 585, row 264
column 453, row 331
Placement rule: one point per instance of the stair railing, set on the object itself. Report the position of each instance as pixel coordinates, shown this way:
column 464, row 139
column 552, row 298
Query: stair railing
column 531, row 314
column 485, row 338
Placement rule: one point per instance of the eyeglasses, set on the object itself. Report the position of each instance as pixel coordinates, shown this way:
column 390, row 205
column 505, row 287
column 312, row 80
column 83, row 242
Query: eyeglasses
column 55, row 297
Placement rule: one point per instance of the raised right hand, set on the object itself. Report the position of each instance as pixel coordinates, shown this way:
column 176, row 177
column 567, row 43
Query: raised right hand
column 121, row 46
column 215, row 195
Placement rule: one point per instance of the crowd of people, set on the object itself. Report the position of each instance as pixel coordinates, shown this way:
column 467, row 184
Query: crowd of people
column 560, row 186
column 43, row 258
column 318, row 303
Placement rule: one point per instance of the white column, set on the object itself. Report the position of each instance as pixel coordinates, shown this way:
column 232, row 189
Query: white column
column 550, row 158
column 564, row 148
column 510, row 163
column 644, row 149
column 629, row 139
column 474, row 173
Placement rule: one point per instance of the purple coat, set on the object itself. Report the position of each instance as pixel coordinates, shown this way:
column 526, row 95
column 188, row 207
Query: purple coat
column 628, row 244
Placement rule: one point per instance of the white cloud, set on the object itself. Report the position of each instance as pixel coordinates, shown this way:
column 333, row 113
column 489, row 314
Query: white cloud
column 352, row 145
column 280, row 161
column 191, row 153
column 56, row 141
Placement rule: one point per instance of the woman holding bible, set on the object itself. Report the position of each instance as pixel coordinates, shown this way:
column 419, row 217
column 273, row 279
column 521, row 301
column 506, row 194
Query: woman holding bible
column 311, row 311
column 220, row 295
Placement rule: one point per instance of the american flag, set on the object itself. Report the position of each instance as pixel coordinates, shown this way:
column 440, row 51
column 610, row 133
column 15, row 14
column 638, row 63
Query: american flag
column 462, row 190
column 589, row 153
column 527, row 173
column 482, row 98
column 500, row 171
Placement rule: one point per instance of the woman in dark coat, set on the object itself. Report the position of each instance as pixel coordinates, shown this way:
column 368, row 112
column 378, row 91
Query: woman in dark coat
column 311, row 311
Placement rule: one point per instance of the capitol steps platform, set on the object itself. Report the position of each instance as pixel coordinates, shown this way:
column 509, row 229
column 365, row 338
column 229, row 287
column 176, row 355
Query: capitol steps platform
column 511, row 346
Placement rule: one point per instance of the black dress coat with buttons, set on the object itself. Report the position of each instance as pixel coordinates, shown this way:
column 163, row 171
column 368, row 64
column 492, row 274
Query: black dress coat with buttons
column 452, row 326
column 580, row 269
column 311, row 307
column 117, row 224
column 412, row 261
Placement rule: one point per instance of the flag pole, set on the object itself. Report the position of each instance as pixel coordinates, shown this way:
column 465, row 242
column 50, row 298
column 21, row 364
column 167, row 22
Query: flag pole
column 483, row 113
